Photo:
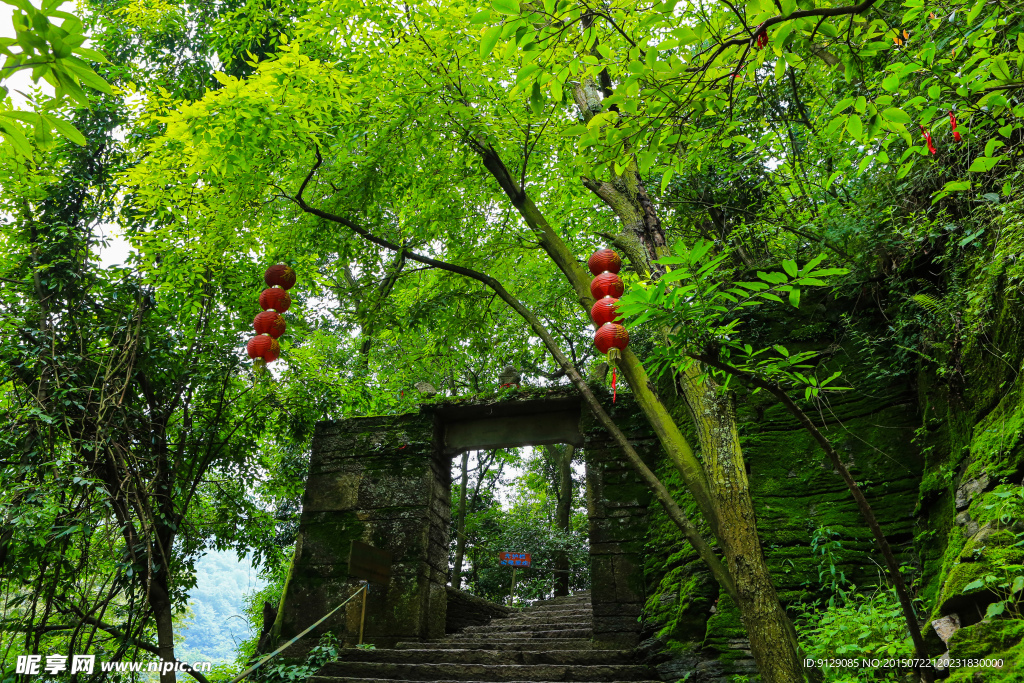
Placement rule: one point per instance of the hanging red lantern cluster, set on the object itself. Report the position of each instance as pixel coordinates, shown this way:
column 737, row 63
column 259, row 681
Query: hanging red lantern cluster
column 270, row 325
column 611, row 337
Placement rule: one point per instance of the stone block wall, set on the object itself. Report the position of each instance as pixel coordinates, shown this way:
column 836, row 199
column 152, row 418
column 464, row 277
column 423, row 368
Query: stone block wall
column 379, row 480
column 386, row 481
column 617, row 507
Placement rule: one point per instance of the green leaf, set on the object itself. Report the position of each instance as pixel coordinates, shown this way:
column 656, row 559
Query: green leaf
column 842, row 106
column 556, row 90
column 896, row 115
column 992, row 145
column 774, row 278
column 995, row 609
column 91, row 54
column 957, row 186
column 17, row 138
column 854, row 126
column 481, row 17
column 891, row 82
column 794, row 297
column 795, row 60
column 65, row 129
column 812, row 264
column 666, row 178
column 489, row 40
column 88, row 76
column 506, row 6
column 790, row 267
column 984, row 164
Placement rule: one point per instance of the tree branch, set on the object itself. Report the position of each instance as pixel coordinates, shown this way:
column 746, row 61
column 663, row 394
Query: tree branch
column 718, row 569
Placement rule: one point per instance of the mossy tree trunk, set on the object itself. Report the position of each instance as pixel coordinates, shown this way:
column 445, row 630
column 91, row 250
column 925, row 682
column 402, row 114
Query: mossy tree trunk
column 773, row 640
column 563, row 456
column 460, row 525
column 772, row 636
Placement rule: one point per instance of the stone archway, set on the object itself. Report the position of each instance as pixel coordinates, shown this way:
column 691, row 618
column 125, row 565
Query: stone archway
column 386, row 481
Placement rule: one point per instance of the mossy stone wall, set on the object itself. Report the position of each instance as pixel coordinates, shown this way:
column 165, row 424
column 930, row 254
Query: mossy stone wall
column 384, row 481
column 617, row 509
column 379, row 480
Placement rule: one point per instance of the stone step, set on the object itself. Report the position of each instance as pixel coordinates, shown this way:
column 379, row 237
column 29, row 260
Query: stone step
column 496, row 656
column 482, row 672
column 522, row 644
column 530, row 613
column 528, row 634
column 553, row 609
column 323, row 679
column 563, row 602
column 510, row 625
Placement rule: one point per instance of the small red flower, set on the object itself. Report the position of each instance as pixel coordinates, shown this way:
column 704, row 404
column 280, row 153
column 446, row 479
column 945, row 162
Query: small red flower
column 762, row 40
column 928, row 139
column 952, row 123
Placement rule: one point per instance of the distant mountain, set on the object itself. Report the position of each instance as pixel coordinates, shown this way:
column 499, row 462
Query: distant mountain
column 218, row 623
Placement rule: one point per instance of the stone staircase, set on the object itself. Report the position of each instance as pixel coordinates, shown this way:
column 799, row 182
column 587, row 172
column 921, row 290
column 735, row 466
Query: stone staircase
column 549, row 641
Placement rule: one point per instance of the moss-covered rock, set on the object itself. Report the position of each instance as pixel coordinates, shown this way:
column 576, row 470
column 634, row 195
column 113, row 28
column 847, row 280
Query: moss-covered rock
column 998, row 641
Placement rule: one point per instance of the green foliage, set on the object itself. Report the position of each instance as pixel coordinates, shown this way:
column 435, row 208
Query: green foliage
column 49, row 50
column 326, row 650
column 703, row 309
column 852, row 624
column 826, row 543
column 764, row 159
column 866, row 625
column 527, row 525
column 1006, row 580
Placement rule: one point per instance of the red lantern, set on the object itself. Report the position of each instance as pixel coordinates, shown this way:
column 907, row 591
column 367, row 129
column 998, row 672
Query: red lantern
column 269, row 322
column 604, row 311
column 276, row 299
column 607, row 284
column 611, row 336
column 604, row 260
column 263, row 346
column 274, row 352
column 280, row 275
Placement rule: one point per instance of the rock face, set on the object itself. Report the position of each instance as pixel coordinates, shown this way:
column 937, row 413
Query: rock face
column 549, row 641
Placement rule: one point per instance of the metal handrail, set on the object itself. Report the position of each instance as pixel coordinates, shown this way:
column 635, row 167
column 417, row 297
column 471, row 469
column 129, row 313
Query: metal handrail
column 361, row 589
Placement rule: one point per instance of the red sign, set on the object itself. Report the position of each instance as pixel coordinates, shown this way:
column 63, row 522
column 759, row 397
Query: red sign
column 514, row 559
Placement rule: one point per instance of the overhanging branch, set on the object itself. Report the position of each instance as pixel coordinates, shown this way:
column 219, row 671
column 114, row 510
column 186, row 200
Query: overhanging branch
column 718, row 569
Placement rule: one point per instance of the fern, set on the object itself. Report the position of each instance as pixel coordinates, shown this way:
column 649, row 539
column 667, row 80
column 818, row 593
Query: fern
column 932, row 304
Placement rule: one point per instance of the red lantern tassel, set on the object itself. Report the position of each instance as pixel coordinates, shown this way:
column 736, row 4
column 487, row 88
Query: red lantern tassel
column 613, row 384
column 952, row 122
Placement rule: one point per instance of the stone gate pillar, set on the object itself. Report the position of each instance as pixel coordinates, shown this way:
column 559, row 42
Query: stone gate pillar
column 617, row 501
column 382, row 481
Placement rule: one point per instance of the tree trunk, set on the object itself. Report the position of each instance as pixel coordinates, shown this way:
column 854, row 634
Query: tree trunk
column 563, row 509
column 160, row 602
column 772, row 637
column 460, row 525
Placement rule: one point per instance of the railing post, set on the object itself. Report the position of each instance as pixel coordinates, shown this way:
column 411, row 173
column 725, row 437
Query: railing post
column 362, row 618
